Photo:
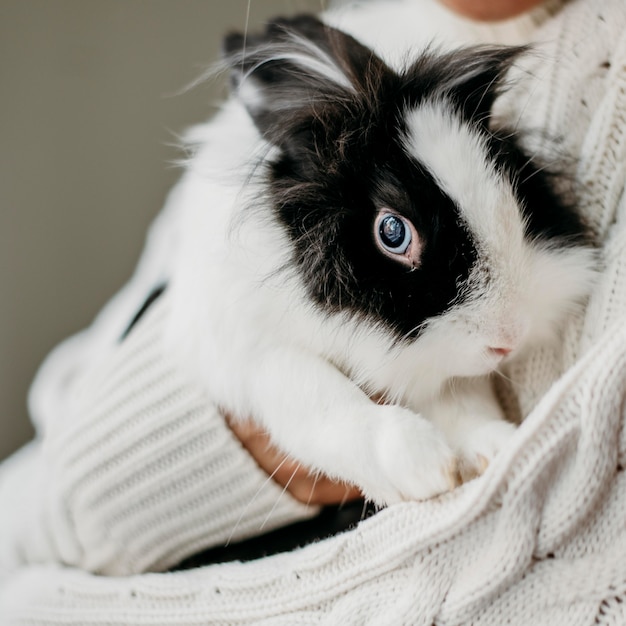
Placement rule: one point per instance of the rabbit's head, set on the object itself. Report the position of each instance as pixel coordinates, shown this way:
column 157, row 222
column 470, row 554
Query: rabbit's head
column 404, row 205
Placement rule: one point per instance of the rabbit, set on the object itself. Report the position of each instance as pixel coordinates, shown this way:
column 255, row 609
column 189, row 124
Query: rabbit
column 361, row 249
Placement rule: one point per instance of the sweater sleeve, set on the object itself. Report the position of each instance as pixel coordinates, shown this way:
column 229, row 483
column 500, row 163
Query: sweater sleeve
column 139, row 473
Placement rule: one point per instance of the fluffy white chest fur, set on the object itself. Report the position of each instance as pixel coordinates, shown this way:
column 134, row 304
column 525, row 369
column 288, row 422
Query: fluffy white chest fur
column 292, row 303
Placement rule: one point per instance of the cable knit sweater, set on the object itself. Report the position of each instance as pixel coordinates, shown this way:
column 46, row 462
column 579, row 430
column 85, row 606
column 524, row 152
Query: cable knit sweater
column 133, row 469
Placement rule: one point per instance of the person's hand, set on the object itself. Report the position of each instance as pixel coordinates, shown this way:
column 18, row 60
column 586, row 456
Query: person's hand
column 297, row 480
column 490, row 10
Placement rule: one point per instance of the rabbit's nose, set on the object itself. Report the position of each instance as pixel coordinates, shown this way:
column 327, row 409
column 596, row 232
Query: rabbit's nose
column 500, row 351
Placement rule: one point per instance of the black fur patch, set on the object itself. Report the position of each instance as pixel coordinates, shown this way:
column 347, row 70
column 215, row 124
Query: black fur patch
column 152, row 297
column 550, row 215
column 342, row 159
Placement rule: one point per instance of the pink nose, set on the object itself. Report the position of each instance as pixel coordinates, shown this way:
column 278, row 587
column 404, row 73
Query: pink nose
column 501, row 351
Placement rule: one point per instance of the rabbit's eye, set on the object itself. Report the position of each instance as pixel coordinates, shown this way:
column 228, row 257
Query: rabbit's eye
column 397, row 237
column 393, row 233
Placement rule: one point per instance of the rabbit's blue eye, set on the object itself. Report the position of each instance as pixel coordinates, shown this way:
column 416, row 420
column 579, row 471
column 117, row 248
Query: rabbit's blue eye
column 397, row 238
column 394, row 233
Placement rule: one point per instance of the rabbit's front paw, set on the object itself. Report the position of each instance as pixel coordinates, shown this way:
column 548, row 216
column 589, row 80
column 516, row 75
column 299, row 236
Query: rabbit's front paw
column 481, row 445
column 412, row 460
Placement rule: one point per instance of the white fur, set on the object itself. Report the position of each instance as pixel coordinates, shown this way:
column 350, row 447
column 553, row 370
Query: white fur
column 312, row 61
column 259, row 348
column 530, row 282
column 455, row 154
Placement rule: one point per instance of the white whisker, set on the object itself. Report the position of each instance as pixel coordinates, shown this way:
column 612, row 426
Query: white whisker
column 267, row 517
column 315, row 479
column 256, row 495
column 345, row 497
column 508, row 379
column 245, row 35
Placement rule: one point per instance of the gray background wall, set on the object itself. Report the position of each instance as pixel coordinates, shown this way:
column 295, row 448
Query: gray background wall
column 87, row 122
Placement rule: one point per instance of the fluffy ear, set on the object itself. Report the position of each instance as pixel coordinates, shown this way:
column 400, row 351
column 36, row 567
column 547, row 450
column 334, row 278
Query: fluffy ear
column 475, row 76
column 294, row 71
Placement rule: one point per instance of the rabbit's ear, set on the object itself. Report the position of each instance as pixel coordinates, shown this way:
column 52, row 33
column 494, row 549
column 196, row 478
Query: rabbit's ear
column 294, row 72
column 472, row 78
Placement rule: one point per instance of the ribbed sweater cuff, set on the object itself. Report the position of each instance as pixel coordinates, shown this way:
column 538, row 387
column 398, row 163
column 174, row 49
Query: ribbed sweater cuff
column 143, row 470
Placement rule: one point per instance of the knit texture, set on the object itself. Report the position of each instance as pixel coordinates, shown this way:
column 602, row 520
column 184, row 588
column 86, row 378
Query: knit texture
column 539, row 539
column 137, row 436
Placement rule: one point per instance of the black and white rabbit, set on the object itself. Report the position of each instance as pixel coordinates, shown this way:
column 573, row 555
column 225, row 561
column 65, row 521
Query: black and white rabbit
column 353, row 231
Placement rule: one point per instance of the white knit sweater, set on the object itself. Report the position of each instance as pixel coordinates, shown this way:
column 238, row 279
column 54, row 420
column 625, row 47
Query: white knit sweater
column 133, row 469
